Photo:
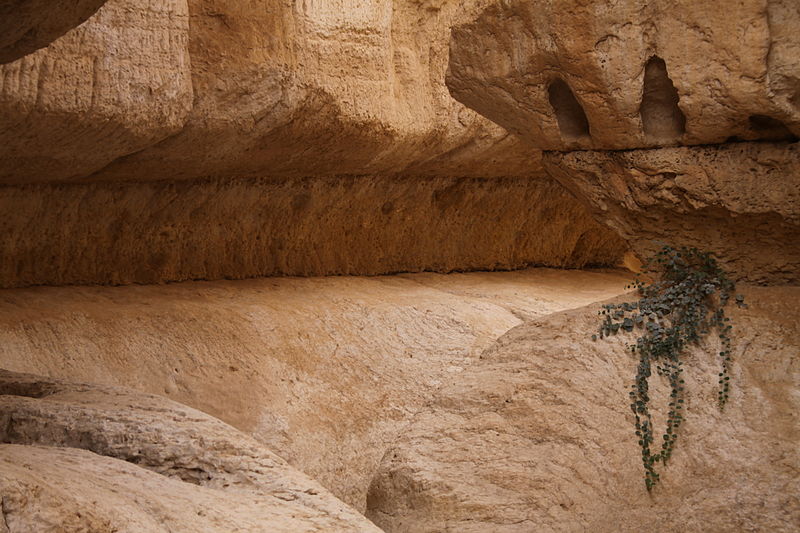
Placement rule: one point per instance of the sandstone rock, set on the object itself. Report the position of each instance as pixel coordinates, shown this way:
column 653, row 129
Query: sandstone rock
column 565, row 74
column 740, row 200
column 326, row 372
column 110, row 87
column 314, row 138
column 27, row 25
column 537, row 437
column 326, row 88
column 280, row 89
column 153, row 232
column 221, row 480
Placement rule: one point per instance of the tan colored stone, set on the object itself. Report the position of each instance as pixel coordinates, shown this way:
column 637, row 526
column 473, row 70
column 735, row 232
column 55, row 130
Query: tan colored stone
column 294, row 89
column 537, row 436
column 27, row 25
column 153, row 232
column 589, row 74
column 65, row 490
column 326, row 372
column 153, row 433
column 741, row 201
column 112, row 86
column 280, row 89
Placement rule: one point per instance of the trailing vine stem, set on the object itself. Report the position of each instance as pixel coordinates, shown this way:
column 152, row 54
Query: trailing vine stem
column 681, row 306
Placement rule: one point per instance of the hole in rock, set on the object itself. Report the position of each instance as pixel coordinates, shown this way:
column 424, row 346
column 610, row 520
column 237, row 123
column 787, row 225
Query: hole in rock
column 662, row 119
column 29, row 390
column 771, row 129
column 572, row 121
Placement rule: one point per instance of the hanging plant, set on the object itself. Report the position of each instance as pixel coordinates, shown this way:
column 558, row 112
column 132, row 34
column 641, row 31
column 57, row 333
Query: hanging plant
column 683, row 304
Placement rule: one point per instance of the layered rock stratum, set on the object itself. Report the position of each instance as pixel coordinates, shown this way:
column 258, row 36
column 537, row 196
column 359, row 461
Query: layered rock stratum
column 210, row 139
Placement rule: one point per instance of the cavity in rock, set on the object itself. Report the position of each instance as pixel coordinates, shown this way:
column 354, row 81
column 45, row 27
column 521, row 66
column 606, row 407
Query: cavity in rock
column 771, row 129
column 572, row 121
column 662, row 119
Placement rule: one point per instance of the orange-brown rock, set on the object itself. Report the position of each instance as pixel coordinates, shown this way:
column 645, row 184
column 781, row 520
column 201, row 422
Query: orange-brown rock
column 537, row 436
column 587, row 74
column 27, row 25
column 156, row 231
column 265, row 88
column 149, row 465
column 112, row 86
column 227, row 140
column 741, row 201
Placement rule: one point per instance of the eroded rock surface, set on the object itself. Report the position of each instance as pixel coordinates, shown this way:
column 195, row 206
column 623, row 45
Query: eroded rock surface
column 112, row 86
column 151, row 232
column 27, row 25
column 565, row 74
column 326, row 372
column 216, row 139
column 537, row 436
column 154, row 465
column 265, row 88
column 604, row 88
column 740, row 200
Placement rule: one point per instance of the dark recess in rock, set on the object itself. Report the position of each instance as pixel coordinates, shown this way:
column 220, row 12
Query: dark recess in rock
column 662, row 119
column 771, row 129
column 572, row 121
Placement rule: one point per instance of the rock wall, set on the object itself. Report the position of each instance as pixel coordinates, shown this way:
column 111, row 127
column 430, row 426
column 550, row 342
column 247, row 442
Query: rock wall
column 150, row 232
column 565, row 74
column 741, row 200
column 215, row 139
column 27, row 25
column 603, row 89
column 537, row 436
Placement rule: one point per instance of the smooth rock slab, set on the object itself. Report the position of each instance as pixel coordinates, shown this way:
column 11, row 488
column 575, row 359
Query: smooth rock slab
column 538, row 437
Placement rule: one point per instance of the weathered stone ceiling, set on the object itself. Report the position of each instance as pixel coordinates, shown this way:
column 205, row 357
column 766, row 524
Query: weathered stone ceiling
column 265, row 88
column 217, row 139
column 564, row 74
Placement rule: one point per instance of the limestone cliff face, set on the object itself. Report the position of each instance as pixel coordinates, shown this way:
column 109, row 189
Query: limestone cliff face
column 565, row 74
column 216, row 139
column 587, row 82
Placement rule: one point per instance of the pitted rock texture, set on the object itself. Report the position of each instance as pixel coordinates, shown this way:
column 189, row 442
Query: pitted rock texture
column 326, row 372
column 212, row 477
column 537, row 436
column 151, row 232
column 564, row 74
column 741, row 201
column 27, row 25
